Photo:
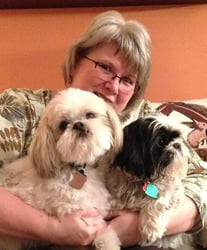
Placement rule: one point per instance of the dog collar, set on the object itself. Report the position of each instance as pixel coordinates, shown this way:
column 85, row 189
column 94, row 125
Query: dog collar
column 79, row 176
column 150, row 190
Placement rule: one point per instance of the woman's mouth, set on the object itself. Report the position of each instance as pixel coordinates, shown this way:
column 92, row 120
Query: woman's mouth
column 103, row 97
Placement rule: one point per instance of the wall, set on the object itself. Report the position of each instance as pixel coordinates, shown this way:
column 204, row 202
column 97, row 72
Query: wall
column 33, row 44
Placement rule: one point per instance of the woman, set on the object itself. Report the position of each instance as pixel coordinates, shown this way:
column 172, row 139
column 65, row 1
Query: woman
column 112, row 60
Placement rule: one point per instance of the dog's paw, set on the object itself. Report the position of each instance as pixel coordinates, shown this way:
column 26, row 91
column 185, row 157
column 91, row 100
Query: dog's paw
column 151, row 234
column 100, row 245
column 107, row 240
column 152, row 229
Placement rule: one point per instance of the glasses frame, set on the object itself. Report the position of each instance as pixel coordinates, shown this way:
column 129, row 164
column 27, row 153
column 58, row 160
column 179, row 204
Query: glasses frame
column 114, row 75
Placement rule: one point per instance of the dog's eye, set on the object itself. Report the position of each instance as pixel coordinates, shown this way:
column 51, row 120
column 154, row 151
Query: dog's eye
column 63, row 125
column 90, row 115
column 162, row 141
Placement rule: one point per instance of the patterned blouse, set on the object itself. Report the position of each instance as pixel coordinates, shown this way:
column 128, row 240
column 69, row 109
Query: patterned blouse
column 20, row 112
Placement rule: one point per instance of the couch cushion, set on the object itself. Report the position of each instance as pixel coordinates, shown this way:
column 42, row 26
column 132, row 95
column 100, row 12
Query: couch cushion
column 192, row 113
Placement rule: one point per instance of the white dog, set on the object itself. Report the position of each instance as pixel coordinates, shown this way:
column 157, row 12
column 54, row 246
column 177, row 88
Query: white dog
column 147, row 177
column 60, row 173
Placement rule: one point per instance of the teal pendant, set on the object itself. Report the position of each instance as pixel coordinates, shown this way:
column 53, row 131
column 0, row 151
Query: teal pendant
column 151, row 190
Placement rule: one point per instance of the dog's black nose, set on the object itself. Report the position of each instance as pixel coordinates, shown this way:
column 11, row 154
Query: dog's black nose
column 79, row 126
column 176, row 145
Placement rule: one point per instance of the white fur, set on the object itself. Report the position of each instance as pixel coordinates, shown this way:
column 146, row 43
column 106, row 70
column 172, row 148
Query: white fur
column 76, row 127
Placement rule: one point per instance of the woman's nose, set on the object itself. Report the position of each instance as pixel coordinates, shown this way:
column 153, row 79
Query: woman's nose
column 113, row 85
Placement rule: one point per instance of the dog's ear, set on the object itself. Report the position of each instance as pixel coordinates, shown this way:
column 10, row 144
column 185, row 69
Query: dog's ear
column 43, row 151
column 117, row 131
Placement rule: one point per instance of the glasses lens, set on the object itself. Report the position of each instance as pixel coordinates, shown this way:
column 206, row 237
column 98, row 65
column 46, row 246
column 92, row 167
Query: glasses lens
column 105, row 73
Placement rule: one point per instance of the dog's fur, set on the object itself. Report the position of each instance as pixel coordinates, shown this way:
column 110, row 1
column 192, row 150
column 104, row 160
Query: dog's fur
column 77, row 129
column 155, row 151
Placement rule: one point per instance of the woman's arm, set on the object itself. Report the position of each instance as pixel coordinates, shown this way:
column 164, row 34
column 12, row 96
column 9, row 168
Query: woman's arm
column 182, row 219
column 21, row 220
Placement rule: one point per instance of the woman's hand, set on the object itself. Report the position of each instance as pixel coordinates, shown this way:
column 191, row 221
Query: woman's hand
column 125, row 223
column 73, row 229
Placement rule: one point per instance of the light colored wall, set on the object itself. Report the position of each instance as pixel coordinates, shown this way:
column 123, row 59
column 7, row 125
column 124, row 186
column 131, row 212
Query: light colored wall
column 33, row 44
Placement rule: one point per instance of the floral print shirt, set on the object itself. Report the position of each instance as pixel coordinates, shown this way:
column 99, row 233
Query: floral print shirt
column 20, row 112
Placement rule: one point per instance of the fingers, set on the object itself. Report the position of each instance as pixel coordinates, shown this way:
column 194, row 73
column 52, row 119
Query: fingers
column 115, row 213
column 92, row 218
column 91, row 224
column 92, row 212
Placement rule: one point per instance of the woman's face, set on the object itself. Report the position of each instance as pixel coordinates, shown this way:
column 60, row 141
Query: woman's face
column 106, row 73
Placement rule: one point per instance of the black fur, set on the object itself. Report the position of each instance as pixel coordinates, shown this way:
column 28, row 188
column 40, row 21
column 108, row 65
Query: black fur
column 144, row 149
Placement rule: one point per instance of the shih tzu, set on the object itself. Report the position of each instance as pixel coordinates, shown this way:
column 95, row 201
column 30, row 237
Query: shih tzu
column 147, row 174
column 77, row 132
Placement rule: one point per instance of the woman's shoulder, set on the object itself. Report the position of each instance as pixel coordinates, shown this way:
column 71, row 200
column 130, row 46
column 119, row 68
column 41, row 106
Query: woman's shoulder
column 144, row 108
column 20, row 111
column 24, row 95
column 18, row 103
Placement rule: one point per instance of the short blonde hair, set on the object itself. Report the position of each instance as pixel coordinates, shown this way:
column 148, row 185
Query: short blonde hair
column 132, row 40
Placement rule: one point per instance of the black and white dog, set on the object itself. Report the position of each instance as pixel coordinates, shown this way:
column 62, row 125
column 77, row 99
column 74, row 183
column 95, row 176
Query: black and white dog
column 147, row 176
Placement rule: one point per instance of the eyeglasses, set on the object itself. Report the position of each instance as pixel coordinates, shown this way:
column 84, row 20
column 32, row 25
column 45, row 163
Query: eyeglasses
column 105, row 72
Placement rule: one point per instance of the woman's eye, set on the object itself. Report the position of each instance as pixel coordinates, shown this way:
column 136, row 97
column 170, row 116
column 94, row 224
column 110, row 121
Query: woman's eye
column 104, row 67
column 90, row 115
column 63, row 125
column 127, row 81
